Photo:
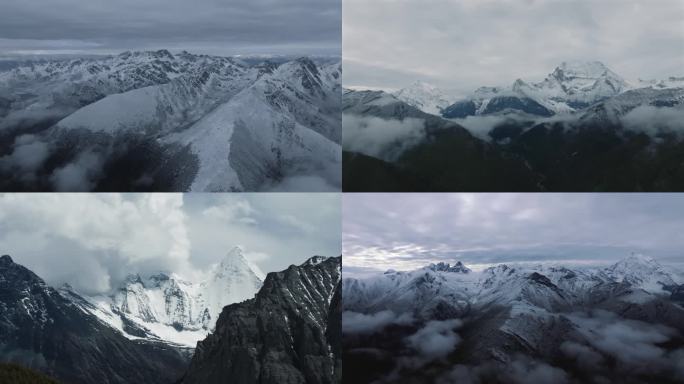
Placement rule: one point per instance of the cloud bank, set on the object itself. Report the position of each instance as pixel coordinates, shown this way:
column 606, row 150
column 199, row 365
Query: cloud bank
column 466, row 44
column 92, row 241
column 407, row 231
column 382, row 138
column 204, row 26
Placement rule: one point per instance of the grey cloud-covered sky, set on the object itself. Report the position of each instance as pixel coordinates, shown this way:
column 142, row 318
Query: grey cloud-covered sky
column 463, row 44
column 199, row 26
column 407, row 231
column 92, row 241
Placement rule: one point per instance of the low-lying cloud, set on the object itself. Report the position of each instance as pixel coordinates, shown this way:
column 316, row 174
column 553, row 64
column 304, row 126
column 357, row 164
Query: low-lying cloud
column 522, row 370
column 436, row 339
column 655, row 120
column 386, row 139
column 360, row 323
column 636, row 346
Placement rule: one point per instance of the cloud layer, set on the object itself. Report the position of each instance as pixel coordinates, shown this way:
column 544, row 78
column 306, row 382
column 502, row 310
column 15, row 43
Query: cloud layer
column 93, row 241
column 470, row 43
column 255, row 26
column 406, row 231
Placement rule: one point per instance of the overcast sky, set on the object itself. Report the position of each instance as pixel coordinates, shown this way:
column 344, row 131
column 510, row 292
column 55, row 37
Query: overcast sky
column 464, row 44
column 199, row 26
column 93, row 241
column 407, row 231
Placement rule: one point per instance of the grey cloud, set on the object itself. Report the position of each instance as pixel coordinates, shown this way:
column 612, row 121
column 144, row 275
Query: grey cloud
column 655, row 120
column 360, row 323
column 406, row 231
column 28, row 155
column 382, row 138
column 470, row 43
column 258, row 26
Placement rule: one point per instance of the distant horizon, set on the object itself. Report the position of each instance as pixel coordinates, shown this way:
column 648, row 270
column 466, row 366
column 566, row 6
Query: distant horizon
column 46, row 55
column 359, row 272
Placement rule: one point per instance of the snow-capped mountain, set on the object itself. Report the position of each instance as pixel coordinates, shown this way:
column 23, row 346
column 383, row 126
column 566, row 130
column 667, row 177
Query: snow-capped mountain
column 45, row 330
column 169, row 308
column 425, row 97
column 571, row 87
column 456, row 288
column 216, row 123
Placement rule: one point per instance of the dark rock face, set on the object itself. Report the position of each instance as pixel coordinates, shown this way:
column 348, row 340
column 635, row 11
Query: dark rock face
column 290, row 333
column 45, row 331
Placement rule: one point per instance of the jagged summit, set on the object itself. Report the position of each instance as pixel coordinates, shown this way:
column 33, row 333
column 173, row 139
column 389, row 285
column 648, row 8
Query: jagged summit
column 315, row 260
column 458, row 267
column 6, row 259
column 424, row 96
column 586, row 69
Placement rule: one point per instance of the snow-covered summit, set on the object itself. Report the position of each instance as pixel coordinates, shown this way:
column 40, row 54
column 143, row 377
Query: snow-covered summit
column 425, row 97
column 436, row 288
column 164, row 306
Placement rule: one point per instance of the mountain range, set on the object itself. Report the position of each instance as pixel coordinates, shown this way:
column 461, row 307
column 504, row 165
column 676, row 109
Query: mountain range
column 145, row 330
column 516, row 323
column 583, row 128
column 158, row 121
column 570, row 87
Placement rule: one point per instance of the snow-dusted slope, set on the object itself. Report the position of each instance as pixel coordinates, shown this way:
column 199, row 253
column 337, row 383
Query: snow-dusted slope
column 425, row 97
column 169, row 308
column 239, row 126
column 453, row 291
column 571, row 87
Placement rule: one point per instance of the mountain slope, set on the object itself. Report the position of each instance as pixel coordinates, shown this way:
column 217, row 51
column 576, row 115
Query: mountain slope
column 43, row 330
column 289, row 333
column 190, row 122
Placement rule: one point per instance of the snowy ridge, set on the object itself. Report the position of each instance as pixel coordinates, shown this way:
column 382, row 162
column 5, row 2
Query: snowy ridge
column 425, row 97
column 439, row 287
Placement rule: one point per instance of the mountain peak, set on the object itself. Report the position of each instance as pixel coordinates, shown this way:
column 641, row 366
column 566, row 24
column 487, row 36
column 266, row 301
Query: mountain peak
column 446, row 267
column 315, row 260
column 638, row 259
column 234, row 254
column 6, row 259
column 569, row 70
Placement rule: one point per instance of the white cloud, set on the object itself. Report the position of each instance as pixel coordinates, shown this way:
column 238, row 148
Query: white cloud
column 93, row 241
column 381, row 138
